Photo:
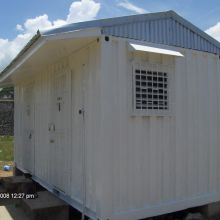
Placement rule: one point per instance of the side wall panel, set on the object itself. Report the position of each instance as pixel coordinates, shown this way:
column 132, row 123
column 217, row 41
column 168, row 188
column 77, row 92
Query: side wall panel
column 42, row 81
column 162, row 164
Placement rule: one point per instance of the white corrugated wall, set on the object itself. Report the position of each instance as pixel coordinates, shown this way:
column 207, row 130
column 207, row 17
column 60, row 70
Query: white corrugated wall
column 161, row 164
column 136, row 166
column 43, row 150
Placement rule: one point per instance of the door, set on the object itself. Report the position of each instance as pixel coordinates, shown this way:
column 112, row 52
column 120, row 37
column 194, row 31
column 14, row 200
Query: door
column 79, row 165
column 28, row 135
column 60, row 131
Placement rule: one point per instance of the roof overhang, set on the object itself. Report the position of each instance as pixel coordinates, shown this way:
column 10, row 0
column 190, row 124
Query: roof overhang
column 44, row 48
column 150, row 48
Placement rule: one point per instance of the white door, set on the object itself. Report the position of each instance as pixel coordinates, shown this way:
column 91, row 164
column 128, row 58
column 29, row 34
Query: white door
column 60, row 131
column 78, row 189
column 28, row 135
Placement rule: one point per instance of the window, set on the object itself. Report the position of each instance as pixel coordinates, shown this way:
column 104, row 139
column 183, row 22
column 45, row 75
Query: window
column 151, row 89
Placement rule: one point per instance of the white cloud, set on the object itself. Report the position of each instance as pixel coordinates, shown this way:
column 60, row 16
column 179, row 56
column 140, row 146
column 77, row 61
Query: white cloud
column 59, row 22
column 214, row 31
column 83, row 10
column 19, row 27
column 131, row 7
column 80, row 10
column 9, row 49
column 39, row 23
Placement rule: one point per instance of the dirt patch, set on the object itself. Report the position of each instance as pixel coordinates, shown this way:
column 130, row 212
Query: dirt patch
column 5, row 173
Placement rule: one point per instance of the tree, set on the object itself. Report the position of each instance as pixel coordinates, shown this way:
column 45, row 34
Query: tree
column 7, row 93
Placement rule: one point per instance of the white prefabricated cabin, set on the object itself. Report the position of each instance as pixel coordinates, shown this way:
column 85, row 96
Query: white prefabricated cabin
column 120, row 117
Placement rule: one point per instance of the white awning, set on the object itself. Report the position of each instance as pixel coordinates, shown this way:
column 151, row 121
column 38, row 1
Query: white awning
column 153, row 49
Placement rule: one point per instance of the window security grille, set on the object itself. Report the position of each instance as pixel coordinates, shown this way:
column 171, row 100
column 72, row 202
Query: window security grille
column 151, row 89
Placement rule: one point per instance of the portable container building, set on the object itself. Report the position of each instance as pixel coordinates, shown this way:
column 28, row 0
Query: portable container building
column 120, row 117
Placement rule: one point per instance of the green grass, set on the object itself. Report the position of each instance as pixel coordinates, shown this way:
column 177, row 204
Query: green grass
column 6, row 148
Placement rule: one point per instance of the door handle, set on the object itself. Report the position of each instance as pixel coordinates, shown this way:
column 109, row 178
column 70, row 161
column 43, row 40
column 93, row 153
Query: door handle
column 30, row 136
column 81, row 111
column 51, row 141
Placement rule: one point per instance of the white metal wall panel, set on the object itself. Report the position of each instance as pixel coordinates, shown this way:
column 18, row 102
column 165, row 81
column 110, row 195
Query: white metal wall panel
column 90, row 79
column 44, row 162
column 162, row 164
column 136, row 166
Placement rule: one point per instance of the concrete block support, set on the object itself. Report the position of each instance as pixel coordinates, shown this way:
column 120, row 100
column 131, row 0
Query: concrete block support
column 46, row 206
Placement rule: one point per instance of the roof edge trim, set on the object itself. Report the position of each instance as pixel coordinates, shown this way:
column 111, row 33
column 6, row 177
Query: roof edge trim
column 21, row 58
column 38, row 41
column 81, row 33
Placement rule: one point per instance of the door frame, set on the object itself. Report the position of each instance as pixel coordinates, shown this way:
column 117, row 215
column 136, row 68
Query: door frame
column 52, row 129
column 30, row 87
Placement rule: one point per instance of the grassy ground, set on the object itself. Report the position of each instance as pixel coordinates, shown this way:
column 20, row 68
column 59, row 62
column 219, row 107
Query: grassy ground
column 6, row 152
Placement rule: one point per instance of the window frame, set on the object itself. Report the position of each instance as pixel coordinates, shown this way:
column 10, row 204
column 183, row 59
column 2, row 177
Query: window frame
column 154, row 67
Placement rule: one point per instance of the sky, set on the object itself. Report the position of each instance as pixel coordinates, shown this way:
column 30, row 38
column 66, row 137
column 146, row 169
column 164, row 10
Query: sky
column 19, row 20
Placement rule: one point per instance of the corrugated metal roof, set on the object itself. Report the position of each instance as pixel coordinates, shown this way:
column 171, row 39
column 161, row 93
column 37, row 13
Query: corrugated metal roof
column 166, row 28
column 163, row 27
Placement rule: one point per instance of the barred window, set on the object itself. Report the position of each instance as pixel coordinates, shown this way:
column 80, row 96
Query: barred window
column 151, row 89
